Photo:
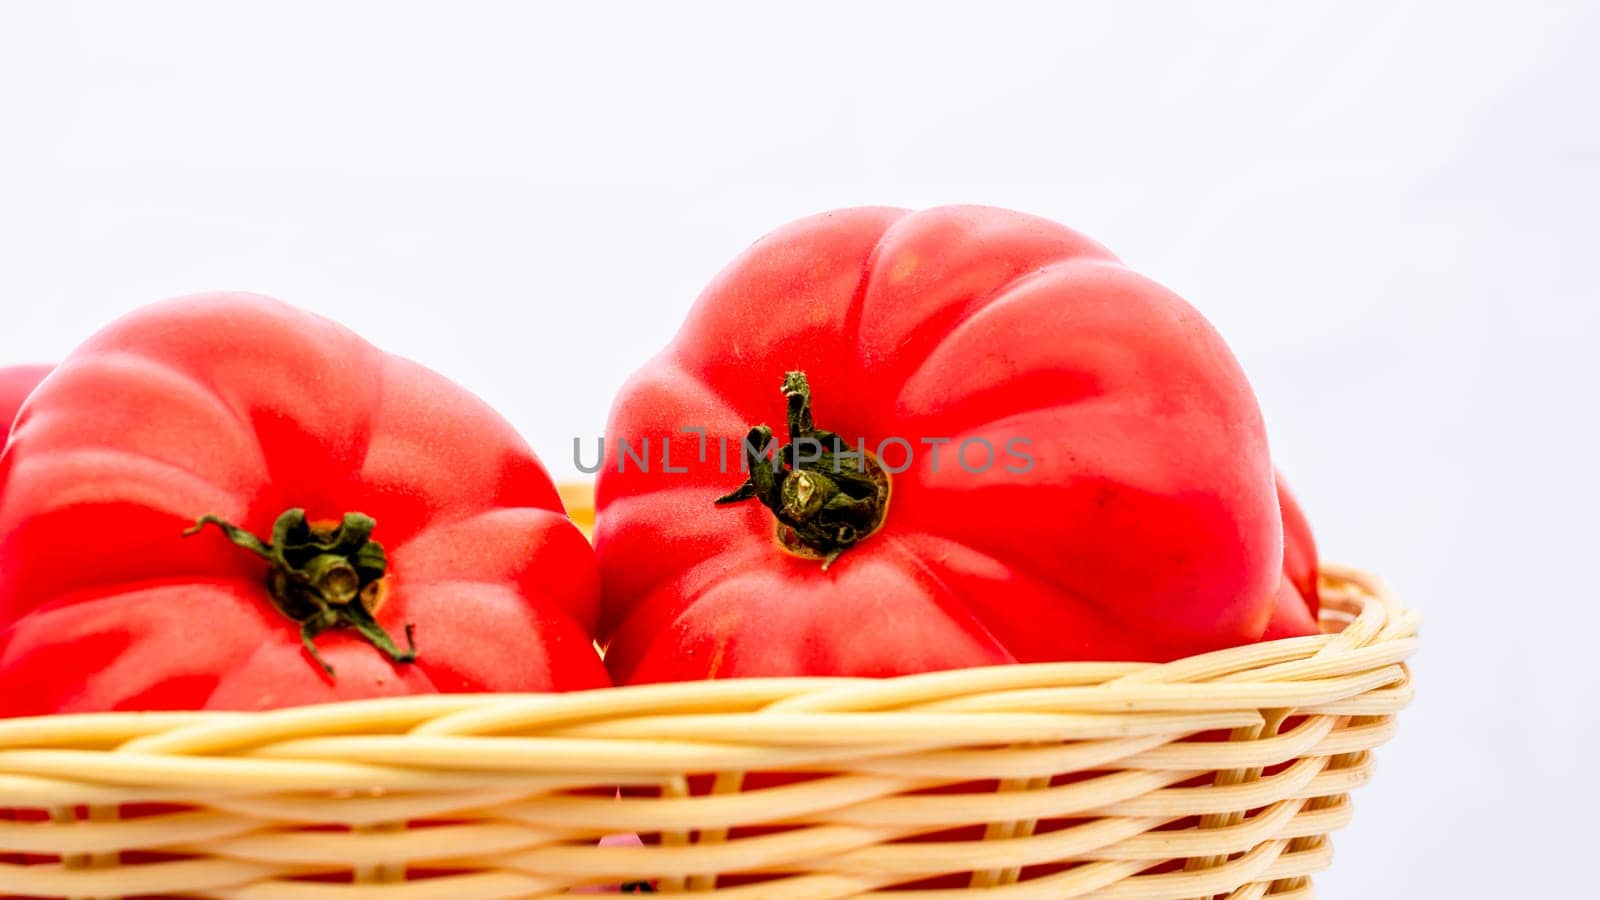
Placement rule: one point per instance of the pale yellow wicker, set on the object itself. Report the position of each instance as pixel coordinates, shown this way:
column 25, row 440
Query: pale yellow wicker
column 1214, row 776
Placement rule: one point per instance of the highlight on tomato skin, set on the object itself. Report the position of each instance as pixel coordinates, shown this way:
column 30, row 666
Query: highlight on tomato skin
column 1144, row 525
column 372, row 529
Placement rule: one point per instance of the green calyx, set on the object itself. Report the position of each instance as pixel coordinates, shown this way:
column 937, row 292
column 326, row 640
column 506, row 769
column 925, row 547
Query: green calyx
column 323, row 578
column 826, row 495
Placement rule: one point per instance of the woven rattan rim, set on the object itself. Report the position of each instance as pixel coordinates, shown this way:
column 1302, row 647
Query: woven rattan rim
column 1071, row 779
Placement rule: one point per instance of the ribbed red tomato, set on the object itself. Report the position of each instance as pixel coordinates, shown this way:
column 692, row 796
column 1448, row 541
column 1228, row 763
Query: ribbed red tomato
column 371, row 498
column 1103, row 492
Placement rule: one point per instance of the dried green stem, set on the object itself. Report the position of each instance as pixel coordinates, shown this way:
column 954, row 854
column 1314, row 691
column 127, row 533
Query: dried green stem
column 826, row 496
column 322, row 579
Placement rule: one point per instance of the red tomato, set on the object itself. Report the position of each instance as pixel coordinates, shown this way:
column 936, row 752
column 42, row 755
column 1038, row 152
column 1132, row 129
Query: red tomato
column 1290, row 615
column 242, row 408
column 1294, row 611
column 1122, row 509
column 1299, row 549
column 16, row 382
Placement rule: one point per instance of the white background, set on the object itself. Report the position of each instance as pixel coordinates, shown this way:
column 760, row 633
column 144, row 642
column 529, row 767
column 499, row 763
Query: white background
column 1389, row 209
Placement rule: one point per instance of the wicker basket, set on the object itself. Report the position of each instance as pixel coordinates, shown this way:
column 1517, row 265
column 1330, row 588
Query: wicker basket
column 1217, row 775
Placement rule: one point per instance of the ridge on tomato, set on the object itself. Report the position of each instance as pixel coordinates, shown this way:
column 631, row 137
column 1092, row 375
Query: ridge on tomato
column 359, row 500
column 16, row 382
column 1295, row 609
column 1088, row 474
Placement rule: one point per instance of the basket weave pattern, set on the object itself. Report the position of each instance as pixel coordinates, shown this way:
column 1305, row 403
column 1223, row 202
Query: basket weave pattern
column 1216, row 775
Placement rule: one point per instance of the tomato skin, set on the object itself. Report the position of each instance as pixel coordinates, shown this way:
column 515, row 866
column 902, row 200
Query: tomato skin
column 1146, row 529
column 1295, row 608
column 16, row 382
column 1299, row 548
column 240, row 406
